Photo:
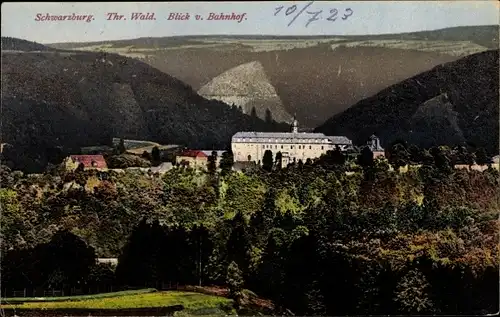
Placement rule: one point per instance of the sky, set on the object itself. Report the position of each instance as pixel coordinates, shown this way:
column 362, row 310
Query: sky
column 364, row 17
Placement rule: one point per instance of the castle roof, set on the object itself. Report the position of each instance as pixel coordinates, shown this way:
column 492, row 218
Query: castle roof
column 96, row 161
column 192, row 153
column 263, row 137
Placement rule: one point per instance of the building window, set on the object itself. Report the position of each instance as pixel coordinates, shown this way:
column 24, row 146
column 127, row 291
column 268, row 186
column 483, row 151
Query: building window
column 310, row 147
column 282, row 147
column 263, row 146
column 291, row 146
column 322, row 147
column 275, row 146
column 299, row 147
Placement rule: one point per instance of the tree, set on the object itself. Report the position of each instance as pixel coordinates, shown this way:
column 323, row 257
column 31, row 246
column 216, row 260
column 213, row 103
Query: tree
column 234, row 280
column 398, row 155
column 262, row 221
column 267, row 161
column 121, row 147
column 226, row 162
column 253, row 113
column 66, row 259
column 338, row 158
column 203, row 247
column 155, row 155
column 146, row 155
column 412, row 293
column 482, row 158
column 212, row 163
column 279, row 160
column 442, row 158
column 416, row 154
column 365, row 158
column 300, row 164
column 269, row 116
column 80, row 168
column 238, row 244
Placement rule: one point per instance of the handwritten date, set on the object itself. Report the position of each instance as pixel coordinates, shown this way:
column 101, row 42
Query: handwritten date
column 295, row 12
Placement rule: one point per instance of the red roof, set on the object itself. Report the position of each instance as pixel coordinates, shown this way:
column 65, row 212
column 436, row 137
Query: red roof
column 192, row 153
column 96, row 161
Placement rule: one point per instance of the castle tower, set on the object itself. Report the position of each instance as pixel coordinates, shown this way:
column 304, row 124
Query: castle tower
column 295, row 125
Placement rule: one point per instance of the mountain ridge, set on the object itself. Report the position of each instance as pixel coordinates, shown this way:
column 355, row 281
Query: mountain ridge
column 488, row 31
column 469, row 85
column 74, row 99
column 303, row 69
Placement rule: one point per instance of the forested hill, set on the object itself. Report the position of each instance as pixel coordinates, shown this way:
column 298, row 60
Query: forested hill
column 15, row 44
column 452, row 103
column 62, row 99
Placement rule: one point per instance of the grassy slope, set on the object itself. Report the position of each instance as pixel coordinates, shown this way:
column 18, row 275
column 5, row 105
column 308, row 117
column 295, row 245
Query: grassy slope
column 13, row 300
column 190, row 301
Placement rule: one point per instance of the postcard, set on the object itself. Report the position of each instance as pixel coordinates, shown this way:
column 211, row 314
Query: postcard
column 250, row 158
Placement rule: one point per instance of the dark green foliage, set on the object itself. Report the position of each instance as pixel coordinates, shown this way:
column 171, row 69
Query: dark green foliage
column 365, row 158
column 121, row 147
column 127, row 160
column 482, row 158
column 238, row 244
column 267, row 161
column 155, row 155
column 70, row 113
column 279, row 161
column 316, row 240
column 465, row 91
column 399, row 155
column 234, row 280
column 253, row 113
column 226, row 162
column 412, row 293
column 212, row 163
column 65, row 261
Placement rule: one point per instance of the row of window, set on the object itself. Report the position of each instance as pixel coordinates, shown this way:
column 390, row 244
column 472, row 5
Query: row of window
column 285, row 159
column 301, row 147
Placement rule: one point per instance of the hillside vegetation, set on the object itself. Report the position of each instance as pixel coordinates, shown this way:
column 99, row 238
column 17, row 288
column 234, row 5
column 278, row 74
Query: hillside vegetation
column 451, row 104
column 74, row 99
column 311, row 237
column 311, row 78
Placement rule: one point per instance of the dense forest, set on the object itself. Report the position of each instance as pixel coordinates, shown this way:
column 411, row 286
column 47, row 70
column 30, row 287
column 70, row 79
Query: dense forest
column 334, row 236
column 61, row 101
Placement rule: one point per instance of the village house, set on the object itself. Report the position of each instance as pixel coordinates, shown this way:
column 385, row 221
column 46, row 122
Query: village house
column 192, row 158
column 96, row 162
column 197, row 158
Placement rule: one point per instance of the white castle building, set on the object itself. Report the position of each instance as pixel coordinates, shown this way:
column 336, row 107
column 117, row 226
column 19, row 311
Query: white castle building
column 294, row 146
